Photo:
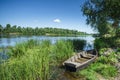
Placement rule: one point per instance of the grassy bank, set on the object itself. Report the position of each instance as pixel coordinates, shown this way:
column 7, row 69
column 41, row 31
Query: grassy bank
column 35, row 60
column 104, row 67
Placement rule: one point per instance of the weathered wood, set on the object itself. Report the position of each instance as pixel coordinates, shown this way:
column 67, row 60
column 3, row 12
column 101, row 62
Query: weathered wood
column 80, row 60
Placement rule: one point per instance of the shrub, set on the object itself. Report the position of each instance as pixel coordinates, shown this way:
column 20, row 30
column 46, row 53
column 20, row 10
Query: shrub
column 78, row 44
column 108, row 71
column 118, row 32
column 89, row 74
column 99, row 43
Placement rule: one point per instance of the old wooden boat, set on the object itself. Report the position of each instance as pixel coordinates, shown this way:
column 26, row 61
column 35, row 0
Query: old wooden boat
column 80, row 60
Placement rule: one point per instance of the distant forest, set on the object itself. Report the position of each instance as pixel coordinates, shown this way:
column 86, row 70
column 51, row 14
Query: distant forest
column 18, row 30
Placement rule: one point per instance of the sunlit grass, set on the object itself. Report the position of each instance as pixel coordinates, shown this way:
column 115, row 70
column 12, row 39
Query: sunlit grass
column 63, row 50
column 35, row 60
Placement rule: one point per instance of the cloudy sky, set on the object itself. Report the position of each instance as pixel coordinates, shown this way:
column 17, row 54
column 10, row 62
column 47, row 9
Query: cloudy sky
column 44, row 13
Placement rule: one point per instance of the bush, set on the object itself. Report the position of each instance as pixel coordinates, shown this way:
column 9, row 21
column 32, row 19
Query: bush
column 99, row 43
column 118, row 32
column 108, row 71
column 107, row 55
column 78, row 44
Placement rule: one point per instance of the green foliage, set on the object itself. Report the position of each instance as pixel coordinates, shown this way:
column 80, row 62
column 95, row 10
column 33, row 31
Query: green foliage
column 107, row 56
column 104, row 69
column 63, row 50
column 20, row 49
column 78, row 44
column 99, row 43
column 101, row 13
column 31, row 66
column 118, row 49
column 118, row 32
column 94, row 70
column 103, row 59
column 104, row 66
column 18, row 30
column 107, row 70
column 33, row 60
column 112, row 42
column 89, row 74
column 1, row 29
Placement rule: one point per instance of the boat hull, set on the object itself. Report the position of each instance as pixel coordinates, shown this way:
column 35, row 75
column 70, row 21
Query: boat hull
column 72, row 68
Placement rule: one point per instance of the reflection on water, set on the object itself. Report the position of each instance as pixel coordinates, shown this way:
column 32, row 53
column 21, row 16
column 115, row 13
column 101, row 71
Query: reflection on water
column 12, row 40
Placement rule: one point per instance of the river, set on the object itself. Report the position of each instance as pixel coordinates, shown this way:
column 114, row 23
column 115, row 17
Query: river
column 12, row 40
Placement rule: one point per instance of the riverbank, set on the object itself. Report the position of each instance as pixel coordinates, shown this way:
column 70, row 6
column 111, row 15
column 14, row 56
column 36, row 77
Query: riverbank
column 38, row 60
column 34, row 53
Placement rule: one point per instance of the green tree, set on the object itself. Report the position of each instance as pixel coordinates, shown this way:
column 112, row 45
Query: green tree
column 19, row 29
column 101, row 12
column 7, row 28
column 1, row 29
column 13, row 29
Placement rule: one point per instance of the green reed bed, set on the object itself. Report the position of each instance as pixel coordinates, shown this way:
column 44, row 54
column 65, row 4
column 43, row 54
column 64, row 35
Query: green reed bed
column 63, row 50
column 78, row 45
column 32, row 65
column 35, row 60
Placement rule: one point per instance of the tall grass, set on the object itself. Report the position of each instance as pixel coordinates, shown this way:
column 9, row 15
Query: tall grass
column 32, row 65
column 21, row 48
column 63, row 50
column 35, row 60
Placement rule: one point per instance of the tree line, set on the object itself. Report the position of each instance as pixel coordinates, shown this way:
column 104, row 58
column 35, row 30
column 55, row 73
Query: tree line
column 8, row 29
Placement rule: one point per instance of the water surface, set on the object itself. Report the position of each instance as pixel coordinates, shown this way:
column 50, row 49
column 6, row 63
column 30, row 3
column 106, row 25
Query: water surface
column 12, row 40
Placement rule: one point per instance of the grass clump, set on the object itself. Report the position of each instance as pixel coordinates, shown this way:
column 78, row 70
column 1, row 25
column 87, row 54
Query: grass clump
column 21, row 48
column 32, row 65
column 99, row 70
column 89, row 74
column 63, row 50
column 34, row 60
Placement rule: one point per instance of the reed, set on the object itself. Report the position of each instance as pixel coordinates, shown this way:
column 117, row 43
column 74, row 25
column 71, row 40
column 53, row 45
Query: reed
column 21, row 48
column 77, row 44
column 34, row 60
column 34, row 64
column 63, row 49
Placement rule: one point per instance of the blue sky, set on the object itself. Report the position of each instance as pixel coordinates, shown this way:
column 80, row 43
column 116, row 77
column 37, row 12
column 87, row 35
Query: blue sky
column 44, row 13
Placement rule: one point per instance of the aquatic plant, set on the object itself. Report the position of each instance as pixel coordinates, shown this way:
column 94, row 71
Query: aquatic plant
column 21, row 48
column 78, row 44
column 32, row 65
column 63, row 50
column 34, row 60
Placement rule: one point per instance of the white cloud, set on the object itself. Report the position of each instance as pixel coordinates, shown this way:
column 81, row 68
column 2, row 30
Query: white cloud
column 57, row 20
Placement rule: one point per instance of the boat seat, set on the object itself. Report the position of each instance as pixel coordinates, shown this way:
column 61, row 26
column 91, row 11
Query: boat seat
column 78, row 55
column 85, row 55
column 75, row 57
column 73, row 64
